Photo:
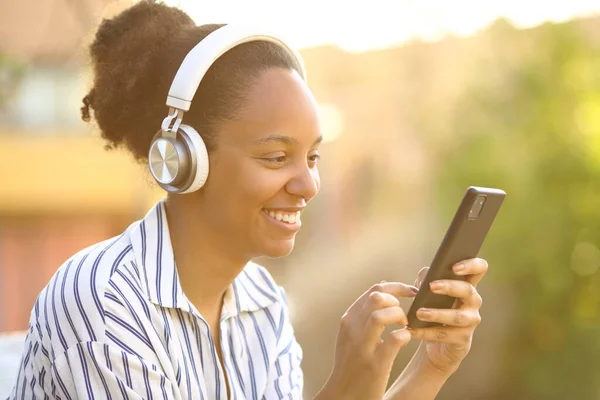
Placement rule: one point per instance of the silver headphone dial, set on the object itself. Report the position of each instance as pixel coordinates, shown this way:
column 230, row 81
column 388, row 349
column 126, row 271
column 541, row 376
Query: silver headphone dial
column 164, row 161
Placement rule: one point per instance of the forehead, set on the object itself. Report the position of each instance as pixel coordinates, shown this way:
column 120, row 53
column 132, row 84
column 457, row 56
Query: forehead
column 279, row 102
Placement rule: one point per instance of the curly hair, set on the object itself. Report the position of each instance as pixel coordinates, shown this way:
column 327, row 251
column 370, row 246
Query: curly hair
column 135, row 57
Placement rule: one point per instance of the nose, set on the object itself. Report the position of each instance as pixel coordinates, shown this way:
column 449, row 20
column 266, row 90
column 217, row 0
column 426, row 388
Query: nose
column 305, row 182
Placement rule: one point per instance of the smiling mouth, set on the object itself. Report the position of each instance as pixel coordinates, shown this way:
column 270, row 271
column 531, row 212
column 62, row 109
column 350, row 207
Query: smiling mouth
column 292, row 218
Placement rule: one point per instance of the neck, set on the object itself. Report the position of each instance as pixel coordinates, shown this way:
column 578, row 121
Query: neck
column 206, row 264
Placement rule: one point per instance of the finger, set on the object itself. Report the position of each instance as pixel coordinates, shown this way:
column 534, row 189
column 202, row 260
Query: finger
column 473, row 269
column 396, row 289
column 421, row 276
column 388, row 350
column 378, row 300
column 379, row 319
column 464, row 291
column 459, row 318
column 444, row 334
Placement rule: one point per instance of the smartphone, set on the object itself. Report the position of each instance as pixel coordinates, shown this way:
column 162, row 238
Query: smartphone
column 462, row 241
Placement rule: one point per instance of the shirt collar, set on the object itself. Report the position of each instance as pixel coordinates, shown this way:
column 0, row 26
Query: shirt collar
column 251, row 290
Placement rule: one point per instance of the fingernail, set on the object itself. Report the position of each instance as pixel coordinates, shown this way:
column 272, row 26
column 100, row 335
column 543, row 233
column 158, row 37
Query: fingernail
column 436, row 286
column 414, row 289
column 459, row 267
column 423, row 313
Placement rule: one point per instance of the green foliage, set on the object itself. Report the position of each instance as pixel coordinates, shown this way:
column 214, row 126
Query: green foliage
column 532, row 128
column 11, row 72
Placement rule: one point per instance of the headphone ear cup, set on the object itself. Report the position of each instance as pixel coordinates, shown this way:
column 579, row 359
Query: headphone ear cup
column 198, row 168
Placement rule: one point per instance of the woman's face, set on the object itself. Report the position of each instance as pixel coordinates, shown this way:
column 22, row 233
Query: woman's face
column 264, row 171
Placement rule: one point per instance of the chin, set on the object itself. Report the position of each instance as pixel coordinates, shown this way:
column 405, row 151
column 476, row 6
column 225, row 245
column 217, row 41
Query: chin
column 278, row 249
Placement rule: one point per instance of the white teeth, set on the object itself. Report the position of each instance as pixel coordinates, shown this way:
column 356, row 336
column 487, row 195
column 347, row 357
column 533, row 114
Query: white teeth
column 285, row 217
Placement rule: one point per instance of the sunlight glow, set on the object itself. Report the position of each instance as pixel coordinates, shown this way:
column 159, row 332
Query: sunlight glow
column 353, row 26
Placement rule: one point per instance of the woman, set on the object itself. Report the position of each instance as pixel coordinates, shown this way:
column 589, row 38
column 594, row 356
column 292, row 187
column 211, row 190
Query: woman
column 174, row 308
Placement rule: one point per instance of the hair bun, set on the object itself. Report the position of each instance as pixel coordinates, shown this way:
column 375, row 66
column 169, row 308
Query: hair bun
column 148, row 23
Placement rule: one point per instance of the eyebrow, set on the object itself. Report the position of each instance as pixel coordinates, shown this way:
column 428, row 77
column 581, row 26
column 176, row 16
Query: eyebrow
column 283, row 139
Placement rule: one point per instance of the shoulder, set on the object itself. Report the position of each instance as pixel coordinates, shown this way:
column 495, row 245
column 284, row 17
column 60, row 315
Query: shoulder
column 69, row 309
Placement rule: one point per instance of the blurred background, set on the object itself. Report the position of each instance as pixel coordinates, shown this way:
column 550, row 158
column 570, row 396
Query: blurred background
column 419, row 100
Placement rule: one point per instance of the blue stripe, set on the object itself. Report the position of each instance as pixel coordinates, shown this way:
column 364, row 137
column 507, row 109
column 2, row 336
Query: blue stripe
column 266, row 279
column 121, row 344
column 281, row 322
column 86, row 372
column 24, row 386
column 126, row 369
column 28, row 354
column 266, row 310
column 112, row 297
column 146, row 381
column 162, row 387
column 279, row 373
column 216, row 362
column 42, row 377
column 136, row 269
column 143, row 231
column 250, row 362
column 261, row 290
column 261, row 340
column 175, row 283
column 159, row 254
column 167, row 330
column 134, row 289
column 237, row 297
column 129, row 328
column 61, row 383
column 128, row 304
column 187, row 372
column 93, row 356
column 93, row 278
column 46, row 320
column 45, row 352
column 197, row 333
column 236, row 367
column 178, row 375
column 61, row 337
column 107, row 358
column 118, row 259
column 64, row 302
column 189, row 347
column 86, row 320
column 132, row 310
column 290, row 376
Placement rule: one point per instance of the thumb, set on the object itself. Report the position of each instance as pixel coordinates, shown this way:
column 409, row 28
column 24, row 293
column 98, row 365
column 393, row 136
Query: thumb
column 421, row 276
column 388, row 350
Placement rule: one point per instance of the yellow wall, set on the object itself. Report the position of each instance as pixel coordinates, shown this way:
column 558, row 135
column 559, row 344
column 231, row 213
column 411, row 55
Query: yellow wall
column 69, row 173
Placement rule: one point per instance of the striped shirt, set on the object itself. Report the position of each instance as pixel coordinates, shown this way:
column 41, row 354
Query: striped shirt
column 114, row 323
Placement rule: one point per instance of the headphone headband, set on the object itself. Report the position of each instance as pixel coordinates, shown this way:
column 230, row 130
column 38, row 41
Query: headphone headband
column 204, row 54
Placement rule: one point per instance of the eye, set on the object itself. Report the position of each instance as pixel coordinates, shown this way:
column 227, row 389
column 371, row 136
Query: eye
column 313, row 159
column 275, row 160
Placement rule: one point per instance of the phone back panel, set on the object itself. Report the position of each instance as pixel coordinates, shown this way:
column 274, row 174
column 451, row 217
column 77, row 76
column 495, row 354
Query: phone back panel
column 462, row 241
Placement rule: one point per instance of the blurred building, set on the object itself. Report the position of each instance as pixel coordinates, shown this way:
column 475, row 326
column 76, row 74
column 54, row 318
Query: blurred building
column 60, row 190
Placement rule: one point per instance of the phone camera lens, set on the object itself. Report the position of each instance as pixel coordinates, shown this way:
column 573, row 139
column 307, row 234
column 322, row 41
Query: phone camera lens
column 477, row 206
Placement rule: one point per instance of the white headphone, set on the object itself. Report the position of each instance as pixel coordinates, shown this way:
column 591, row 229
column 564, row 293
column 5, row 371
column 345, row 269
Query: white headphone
column 178, row 159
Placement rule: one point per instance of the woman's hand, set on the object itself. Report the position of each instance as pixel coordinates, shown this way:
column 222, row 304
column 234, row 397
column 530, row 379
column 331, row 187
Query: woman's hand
column 444, row 347
column 363, row 359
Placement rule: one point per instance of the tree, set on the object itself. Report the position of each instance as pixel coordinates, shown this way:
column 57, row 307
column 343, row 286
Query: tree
column 534, row 130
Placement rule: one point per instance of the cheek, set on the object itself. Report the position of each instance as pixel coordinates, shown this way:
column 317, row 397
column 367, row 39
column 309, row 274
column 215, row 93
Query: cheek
column 247, row 186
